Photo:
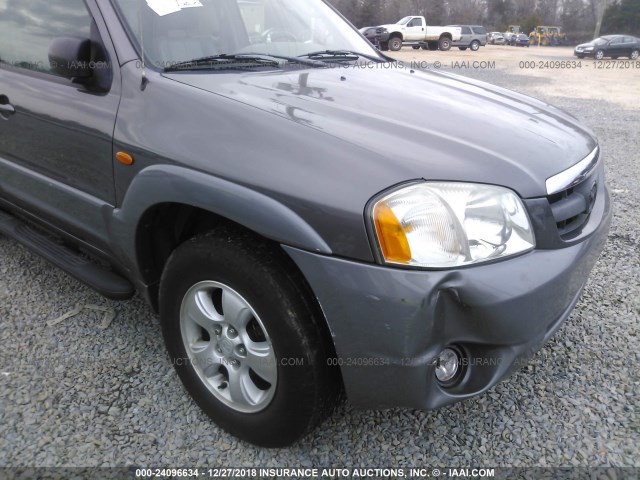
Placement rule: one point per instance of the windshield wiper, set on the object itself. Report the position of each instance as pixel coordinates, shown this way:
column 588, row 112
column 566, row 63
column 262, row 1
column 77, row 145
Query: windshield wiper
column 302, row 61
column 243, row 60
column 222, row 61
column 340, row 55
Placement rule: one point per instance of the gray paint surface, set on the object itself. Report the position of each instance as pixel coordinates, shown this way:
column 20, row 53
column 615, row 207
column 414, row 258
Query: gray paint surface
column 309, row 147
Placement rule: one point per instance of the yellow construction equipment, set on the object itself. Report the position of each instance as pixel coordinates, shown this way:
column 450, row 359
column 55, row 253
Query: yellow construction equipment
column 548, row 36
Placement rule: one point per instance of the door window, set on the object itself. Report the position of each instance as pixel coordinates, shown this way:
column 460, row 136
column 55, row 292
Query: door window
column 466, row 31
column 27, row 28
column 416, row 22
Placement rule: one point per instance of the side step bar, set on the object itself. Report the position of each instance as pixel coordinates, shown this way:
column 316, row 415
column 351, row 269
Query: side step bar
column 106, row 282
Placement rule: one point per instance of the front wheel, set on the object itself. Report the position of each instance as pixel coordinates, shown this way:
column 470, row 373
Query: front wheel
column 599, row 55
column 444, row 44
column 634, row 55
column 246, row 339
column 384, row 46
column 475, row 46
column 580, row 57
column 395, row 44
column 462, row 48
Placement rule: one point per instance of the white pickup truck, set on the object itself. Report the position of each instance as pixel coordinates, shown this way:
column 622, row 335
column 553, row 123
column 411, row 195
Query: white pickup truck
column 414, row 31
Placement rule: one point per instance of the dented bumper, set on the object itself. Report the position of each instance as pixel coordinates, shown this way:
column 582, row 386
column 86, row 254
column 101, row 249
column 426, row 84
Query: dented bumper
column 389, row 325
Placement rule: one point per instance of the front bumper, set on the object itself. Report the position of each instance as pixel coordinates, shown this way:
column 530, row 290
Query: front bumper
column 582, row 53
column 389, row 324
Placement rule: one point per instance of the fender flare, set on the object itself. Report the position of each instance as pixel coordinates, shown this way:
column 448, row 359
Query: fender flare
column 255, row 211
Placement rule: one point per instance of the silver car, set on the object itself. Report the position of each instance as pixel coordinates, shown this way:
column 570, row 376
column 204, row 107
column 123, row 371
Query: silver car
column 497, row 38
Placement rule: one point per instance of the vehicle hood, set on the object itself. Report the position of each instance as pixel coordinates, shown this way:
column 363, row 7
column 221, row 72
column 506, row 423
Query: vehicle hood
column 401, row 125
column 588, row 44
column 392, row 26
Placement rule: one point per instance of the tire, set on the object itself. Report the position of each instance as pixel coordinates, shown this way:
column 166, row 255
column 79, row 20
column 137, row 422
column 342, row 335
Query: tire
column 416, row 47
column 462, row 48
column 433, row 46
column 599, row 55
column 614, row 58
column 395, row 44
column 237, row 305
column 384, row 46
column 580, row 57
column 444, row 44
column 475, row 46
column 634, row 55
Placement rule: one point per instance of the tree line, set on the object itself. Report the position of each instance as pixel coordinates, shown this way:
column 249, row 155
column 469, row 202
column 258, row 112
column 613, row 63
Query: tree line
column 581, row 19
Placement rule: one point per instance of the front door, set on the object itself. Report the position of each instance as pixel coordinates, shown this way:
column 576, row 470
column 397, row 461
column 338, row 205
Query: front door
column 616, row 47
column 56, row 135
column 415, row 30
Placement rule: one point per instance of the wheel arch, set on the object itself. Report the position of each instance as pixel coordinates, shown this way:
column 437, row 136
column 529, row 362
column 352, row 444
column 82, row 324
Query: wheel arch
column 167, row 204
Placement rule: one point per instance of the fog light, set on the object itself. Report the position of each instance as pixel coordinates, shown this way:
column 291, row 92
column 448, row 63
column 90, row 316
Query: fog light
column 447, row 365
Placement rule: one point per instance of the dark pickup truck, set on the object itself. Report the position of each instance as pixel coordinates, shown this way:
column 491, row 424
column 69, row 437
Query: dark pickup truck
column 299, row 230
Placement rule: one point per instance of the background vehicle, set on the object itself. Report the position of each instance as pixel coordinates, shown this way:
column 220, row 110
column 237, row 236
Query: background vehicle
column 548, row 36
column 414, row 31
column 508, row 36
column 614, row 46
column 519, row 40
column 497, row 38
column 514, row 29
column 370, row 34
column 472, row 37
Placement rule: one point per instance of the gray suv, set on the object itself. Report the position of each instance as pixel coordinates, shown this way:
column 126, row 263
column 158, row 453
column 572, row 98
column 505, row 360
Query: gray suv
column 473, row 37
column 296, row 243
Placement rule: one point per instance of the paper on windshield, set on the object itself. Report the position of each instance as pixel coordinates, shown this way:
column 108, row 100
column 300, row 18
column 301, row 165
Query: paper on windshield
column 189, row 3
column 165, row 7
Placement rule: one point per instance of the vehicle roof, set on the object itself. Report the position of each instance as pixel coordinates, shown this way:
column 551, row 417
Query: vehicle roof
column 618, row 35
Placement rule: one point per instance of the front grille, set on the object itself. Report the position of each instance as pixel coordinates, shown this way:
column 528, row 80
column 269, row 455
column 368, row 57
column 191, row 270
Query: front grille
column 571, row 208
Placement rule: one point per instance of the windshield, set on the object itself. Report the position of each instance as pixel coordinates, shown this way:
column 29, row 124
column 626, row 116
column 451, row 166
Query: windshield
column 404, row 21
column 176, row 31
column 601, row 40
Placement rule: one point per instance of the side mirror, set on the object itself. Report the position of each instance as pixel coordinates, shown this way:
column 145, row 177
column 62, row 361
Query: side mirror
column 70, row 57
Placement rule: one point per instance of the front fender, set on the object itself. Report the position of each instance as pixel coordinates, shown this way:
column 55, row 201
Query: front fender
column 162, row 184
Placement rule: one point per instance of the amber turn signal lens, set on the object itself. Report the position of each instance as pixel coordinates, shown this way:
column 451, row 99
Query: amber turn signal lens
column 124, row 158
column 391, row 235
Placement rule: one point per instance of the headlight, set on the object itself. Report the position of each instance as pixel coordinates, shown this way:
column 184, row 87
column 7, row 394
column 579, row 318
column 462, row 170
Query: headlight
column 588, row 49
column 440, row 225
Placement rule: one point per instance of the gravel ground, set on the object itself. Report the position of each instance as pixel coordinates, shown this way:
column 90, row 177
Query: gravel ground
column 75, row 395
